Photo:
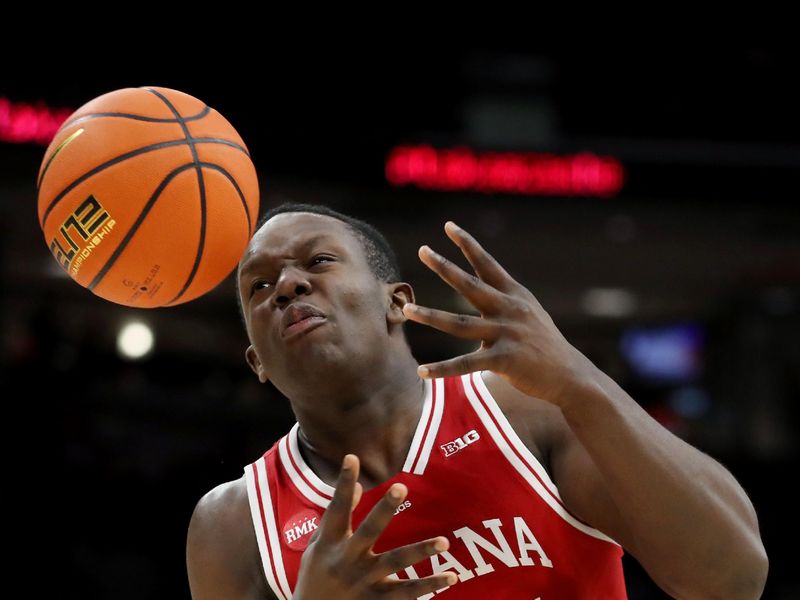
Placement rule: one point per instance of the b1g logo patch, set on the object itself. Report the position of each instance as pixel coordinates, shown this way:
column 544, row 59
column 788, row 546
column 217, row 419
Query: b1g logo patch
column 457, row 444
column 298, row 529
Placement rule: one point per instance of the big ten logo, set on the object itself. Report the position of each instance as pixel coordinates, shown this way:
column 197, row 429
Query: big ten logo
column 78, row 228
column 457, row 444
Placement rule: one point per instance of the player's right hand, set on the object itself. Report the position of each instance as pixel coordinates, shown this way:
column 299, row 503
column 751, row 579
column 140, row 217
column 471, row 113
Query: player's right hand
column 341, row 564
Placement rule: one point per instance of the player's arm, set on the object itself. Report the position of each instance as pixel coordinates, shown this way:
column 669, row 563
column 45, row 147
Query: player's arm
column 221, row 548
column 679, row 512
column 683, row 515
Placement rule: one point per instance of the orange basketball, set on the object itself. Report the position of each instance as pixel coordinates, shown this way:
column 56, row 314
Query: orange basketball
column 147, row 197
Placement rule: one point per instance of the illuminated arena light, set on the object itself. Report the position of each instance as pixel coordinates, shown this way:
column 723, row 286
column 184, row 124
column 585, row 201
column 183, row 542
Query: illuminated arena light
column 21, row 122
column 527, row 173
column 135, row 340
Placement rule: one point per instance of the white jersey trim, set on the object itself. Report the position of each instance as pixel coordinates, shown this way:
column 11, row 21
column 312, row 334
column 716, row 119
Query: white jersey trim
column 290, row 456
column 501, row 419
column 320, row 493
column 531, row 469
column 434, row 391
column 269, row 543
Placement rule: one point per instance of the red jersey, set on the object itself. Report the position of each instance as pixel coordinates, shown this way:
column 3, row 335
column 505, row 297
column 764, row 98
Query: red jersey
column 469, row 478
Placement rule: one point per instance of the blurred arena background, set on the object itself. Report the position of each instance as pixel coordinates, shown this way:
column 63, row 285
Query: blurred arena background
column 654, row 216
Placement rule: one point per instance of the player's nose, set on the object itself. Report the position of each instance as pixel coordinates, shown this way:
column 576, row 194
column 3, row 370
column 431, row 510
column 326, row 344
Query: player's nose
column 291, row 282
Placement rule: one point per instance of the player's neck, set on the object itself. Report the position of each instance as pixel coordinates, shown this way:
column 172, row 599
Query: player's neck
column 376, row 423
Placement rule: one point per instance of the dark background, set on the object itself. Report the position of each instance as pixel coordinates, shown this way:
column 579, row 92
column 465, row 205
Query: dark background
column 109, row 456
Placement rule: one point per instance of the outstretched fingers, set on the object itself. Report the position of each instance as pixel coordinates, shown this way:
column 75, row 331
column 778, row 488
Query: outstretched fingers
column 465, row 326
column 393, row 561
column 480, row 294
column 397, row 559
column 396, row 589
column 376, row 521
column 342, row 564
column 336, row 523
column 484, row 264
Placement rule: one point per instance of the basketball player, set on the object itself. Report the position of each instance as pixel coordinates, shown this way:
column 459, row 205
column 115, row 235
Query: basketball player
column 519, row 470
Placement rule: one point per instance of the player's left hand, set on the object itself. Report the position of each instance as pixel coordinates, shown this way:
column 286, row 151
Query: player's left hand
column 519, row 340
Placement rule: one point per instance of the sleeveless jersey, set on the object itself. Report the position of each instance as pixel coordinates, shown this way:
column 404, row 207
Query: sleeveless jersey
column 469, row 478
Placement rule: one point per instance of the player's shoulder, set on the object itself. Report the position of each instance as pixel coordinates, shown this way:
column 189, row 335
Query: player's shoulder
column 224, row 500
column 222, row 515
column 222, row 549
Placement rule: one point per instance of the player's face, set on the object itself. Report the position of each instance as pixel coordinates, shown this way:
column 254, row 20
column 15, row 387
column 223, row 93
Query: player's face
column 306, row 258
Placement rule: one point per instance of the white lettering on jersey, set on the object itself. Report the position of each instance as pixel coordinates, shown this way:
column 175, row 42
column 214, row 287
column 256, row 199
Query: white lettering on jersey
column 500, row 549
column 473, row 540
column 457, row 444
column 298, row 531
column 450, row 562
column 404, row 506
column 529, row 543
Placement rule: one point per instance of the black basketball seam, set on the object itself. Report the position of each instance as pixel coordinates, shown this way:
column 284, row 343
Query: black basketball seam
column 126, row 156
column 135, row 227
column 236, row 187
column 225, row 173
column 82, row 118
column 120, row 115
column 201, row 184
column 150, row 203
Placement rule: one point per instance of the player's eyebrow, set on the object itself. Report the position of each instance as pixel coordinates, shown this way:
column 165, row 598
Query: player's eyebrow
column 257, row 258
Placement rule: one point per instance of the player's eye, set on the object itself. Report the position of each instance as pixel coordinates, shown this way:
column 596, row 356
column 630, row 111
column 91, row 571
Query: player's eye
column 320, row 256
column 255, row 285
column 258, row 282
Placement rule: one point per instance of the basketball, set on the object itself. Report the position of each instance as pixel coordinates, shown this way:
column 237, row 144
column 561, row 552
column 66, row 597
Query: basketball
column 147, row 197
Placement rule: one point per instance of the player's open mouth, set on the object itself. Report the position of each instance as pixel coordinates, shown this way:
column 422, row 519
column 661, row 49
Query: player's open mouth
column 303, row 325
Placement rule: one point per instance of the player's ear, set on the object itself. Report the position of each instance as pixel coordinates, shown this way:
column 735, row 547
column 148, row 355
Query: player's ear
column 399, row 293
column 252, row 359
